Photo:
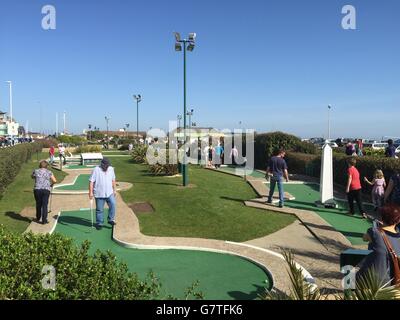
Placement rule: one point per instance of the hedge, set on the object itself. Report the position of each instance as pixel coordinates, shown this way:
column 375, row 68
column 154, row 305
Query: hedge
column 267, row 144
column 311, row 165
column 12, row 159
column 78, row 274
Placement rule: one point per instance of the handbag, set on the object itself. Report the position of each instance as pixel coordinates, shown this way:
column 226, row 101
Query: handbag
column 394, row 258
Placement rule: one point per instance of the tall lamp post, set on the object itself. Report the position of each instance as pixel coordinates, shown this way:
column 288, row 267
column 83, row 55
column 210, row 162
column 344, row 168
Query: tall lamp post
column 187, row 44
column 190, row 114
column 108, row 138
column 329, row 122
column 138, row 99
column 90, row 131
column 11, row 100
column 179, row 117
column 127, row 130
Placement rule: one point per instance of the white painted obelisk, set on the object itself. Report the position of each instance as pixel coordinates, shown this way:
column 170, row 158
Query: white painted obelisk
column 326, row 183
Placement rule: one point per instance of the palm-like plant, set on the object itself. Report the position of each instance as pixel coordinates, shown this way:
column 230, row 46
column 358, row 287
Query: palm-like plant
column 368, row 287
column 139, row 154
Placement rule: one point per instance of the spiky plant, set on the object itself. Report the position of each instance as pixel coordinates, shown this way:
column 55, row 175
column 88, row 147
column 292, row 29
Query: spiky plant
column 368, row 287
column 139, row 154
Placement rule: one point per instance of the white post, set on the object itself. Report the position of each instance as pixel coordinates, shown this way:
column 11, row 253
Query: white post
column 329, row 122
column 326, row 183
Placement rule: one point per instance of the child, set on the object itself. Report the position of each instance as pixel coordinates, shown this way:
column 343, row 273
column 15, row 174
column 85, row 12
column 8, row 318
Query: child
column 378, row 190
column 353, row 188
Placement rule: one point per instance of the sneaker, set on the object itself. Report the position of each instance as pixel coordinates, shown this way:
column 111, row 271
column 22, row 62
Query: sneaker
column 280, row 205
column 269, row 201
column 112, row 223
column 365, row 216
column 45, row 222
column 99, row 227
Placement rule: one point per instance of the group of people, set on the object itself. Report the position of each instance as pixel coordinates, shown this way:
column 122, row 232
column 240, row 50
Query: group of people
column 102, row 188
column 215, row 155
column 61, row 153
column 356, row 149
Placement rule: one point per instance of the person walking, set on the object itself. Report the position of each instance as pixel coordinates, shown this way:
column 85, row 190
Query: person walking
column 390, row 151
column 102, row 187
column 353, row 188
column 277, row 170
column 378, row 189
column 219, row 151
column 44, row 179
column 392, row 194
column 61, row 154
column 384, row 241
column 52, row 151
column 234, row 155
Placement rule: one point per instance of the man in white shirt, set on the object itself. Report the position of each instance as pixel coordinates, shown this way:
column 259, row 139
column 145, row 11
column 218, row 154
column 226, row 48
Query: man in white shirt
column 102, row 187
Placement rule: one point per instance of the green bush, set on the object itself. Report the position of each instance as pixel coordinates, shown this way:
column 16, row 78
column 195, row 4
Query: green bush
column 89, row 149
column 139, row 154
column 267, row 144
column 12, row 159
column 373, row 152
column 74, row 140
column 79, row 275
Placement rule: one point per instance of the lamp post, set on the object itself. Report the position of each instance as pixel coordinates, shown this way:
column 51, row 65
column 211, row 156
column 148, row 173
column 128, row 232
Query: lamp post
column 138, row 99
column 190, row 114
column 179, row 117
column 11, row 99
column 187, row 44
column 108, row 139
column 329, row 122
column 127, row 130
column 90, row 131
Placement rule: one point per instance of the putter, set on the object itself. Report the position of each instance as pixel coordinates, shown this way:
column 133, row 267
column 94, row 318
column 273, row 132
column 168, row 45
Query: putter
column 91, row 211
column 51, row 198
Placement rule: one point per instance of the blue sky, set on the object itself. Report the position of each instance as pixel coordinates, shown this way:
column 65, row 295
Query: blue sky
column 272, row 64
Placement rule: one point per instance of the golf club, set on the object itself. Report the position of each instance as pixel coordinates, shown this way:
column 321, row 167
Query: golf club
column 91, row 211
column 51, row 198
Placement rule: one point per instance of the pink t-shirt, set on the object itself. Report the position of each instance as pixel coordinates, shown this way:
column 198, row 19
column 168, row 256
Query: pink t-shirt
column 355, row 178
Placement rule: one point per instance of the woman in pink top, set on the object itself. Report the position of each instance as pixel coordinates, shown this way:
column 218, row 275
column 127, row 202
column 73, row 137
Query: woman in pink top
column 353, row 188
column 378, row 189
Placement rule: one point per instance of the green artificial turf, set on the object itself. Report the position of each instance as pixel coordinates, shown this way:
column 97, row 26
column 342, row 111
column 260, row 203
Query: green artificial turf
column 19, row 194
column 220, row 276
column 78, row 166
column 212, row 208
column 353, row 227
column 81, row 184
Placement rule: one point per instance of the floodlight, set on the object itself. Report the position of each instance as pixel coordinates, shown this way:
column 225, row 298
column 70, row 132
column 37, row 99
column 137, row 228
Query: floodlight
column 177, row 36
column 178, row 46
column 192, row 37
column 190, row 47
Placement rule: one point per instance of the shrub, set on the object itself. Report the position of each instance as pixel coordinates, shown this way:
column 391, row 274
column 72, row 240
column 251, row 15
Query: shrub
column 373, row 152
column 12, row 159
column 89, row 149
column 267, row 144
column 166, row 169
column 79, row 275
column 47, row 143
column 139, row 154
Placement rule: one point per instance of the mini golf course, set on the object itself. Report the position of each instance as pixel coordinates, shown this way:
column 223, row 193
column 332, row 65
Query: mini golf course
column 220, row 276
column 352, row 227
column 81, row 183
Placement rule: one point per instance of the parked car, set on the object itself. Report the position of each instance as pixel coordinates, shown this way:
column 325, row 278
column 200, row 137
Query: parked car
column 376, row 145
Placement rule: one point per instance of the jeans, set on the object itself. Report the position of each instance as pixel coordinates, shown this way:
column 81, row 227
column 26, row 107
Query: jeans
column 42, row 202
column 276, row 180
column 51, row 159
column 355, row 195
column 100, row 209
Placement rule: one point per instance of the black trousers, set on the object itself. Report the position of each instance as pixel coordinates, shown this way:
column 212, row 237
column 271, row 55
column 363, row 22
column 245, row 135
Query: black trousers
column 42, row 202
column 355, row 195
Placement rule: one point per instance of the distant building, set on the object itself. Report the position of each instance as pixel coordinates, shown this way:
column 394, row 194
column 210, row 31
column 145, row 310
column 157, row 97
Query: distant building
column 8, row 127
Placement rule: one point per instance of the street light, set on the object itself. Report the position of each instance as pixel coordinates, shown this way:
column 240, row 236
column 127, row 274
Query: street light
column 108, row 139
column 90, row 131
column 138, row 99
column 187, row 44
column 127, row 130
column 190, row 114
column 11, row 101
column 329, row 122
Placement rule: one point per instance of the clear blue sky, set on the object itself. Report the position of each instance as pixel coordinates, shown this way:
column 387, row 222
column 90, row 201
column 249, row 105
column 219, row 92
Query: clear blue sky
column 272, row 64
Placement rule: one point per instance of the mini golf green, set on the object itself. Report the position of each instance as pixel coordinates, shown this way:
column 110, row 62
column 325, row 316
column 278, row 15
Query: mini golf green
column 352, row 227
column 240, row 171
column 79, row 166
column 221, row 276
column 81, row 184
